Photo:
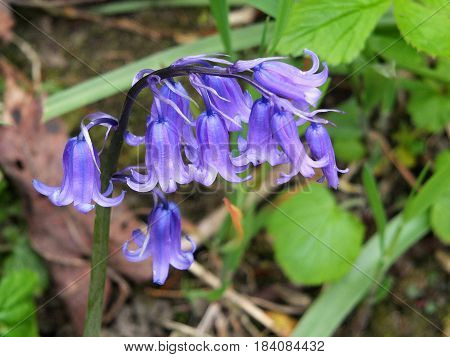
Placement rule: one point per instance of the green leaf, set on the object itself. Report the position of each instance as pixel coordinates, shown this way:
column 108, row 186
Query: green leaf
column 378, row 91
column 267, row 6
column 17, row 286
column 429, row 108
column 440, row 211
column 219, row 9
column 429, row 194
column 425, row 24
column 391, row 47
column 336, row 302
column 23, row 257
column 283, row 14
column 315, row 240
column 442, row 160
column 335, row 30
column 440, row 222
column 119, row 80
column 17, row 308
column 373, row 195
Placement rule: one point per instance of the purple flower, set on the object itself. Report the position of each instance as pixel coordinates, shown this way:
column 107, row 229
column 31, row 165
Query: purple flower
column 214, row 151
column 81, row 181
column 167, row 133
column 163, row 159
column 287, row 81
column 286, row 134
column 162, row 242
column 230, row 101
column 260, row 145
column 320, row 144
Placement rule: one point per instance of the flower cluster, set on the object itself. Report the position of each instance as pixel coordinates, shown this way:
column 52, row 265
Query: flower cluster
column 181, row 148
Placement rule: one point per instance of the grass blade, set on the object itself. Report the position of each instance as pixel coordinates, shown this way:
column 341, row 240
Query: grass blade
column 219, row 9
column 283, row 12
column 373, row 195
column 120, row 7
column 337, row 301
column 430, row 192
column 119, row 79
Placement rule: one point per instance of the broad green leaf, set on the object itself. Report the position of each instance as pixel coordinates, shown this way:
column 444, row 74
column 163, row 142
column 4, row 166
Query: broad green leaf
column 283, row 14
column 391, row 47
column 335, row 30
column 23, row 257
column 378, row 91
column 219, row 9
column 17, row 308
column 425, row 24
column 429, row 108
column 440, row 213
column 337, row 301
column 17, row 286
column 315, row 240
column 431, row 191
column 347, row 134
column 119, row 80
column 442, row 160
column 376, row 204
column 267, row 6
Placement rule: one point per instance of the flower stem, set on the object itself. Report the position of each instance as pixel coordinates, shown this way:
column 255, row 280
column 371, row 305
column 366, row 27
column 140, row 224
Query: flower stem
column 100, row 256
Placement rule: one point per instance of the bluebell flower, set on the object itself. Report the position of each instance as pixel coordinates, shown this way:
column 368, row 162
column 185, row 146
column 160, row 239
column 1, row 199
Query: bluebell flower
column 320, row 144
column 161, row 242
column 214, row 151
column 260, row 145
column 286, row 134
column 230, row 100
column 285, row 80
column 81, row 180
column 163, row 160
column 168, row 132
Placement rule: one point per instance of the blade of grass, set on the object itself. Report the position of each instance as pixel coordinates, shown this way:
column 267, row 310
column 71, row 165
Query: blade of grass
column 111, row 83
column 219, row 9
column 337, row 301
column 120, row 7
column 283, row 12
column 373, row 195
column 430, row 192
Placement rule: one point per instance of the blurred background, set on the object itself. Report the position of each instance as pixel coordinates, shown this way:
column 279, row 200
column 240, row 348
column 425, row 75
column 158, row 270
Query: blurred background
column 370, row 259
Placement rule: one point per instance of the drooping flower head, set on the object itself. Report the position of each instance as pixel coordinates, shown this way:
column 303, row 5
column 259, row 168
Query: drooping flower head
column 231, row 101
column 166, row 128
column 320, row 144
column 286, row 80
column 286, row 134
column 161, row 242
column 214, row 156
column 260, row 145
column 81, row 179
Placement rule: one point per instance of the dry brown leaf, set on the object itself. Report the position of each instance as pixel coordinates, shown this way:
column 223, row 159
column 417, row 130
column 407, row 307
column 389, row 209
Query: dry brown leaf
column 59, row 234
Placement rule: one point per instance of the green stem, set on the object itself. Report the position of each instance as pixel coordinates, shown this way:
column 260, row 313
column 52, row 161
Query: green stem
column 99, row 258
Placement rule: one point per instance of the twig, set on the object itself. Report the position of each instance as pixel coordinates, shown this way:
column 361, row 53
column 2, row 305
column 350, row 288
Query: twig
column 33, row 57
column 237, row 299
column 286, row 309
column 209, row 318
column 182, row 328
column 406, row 174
